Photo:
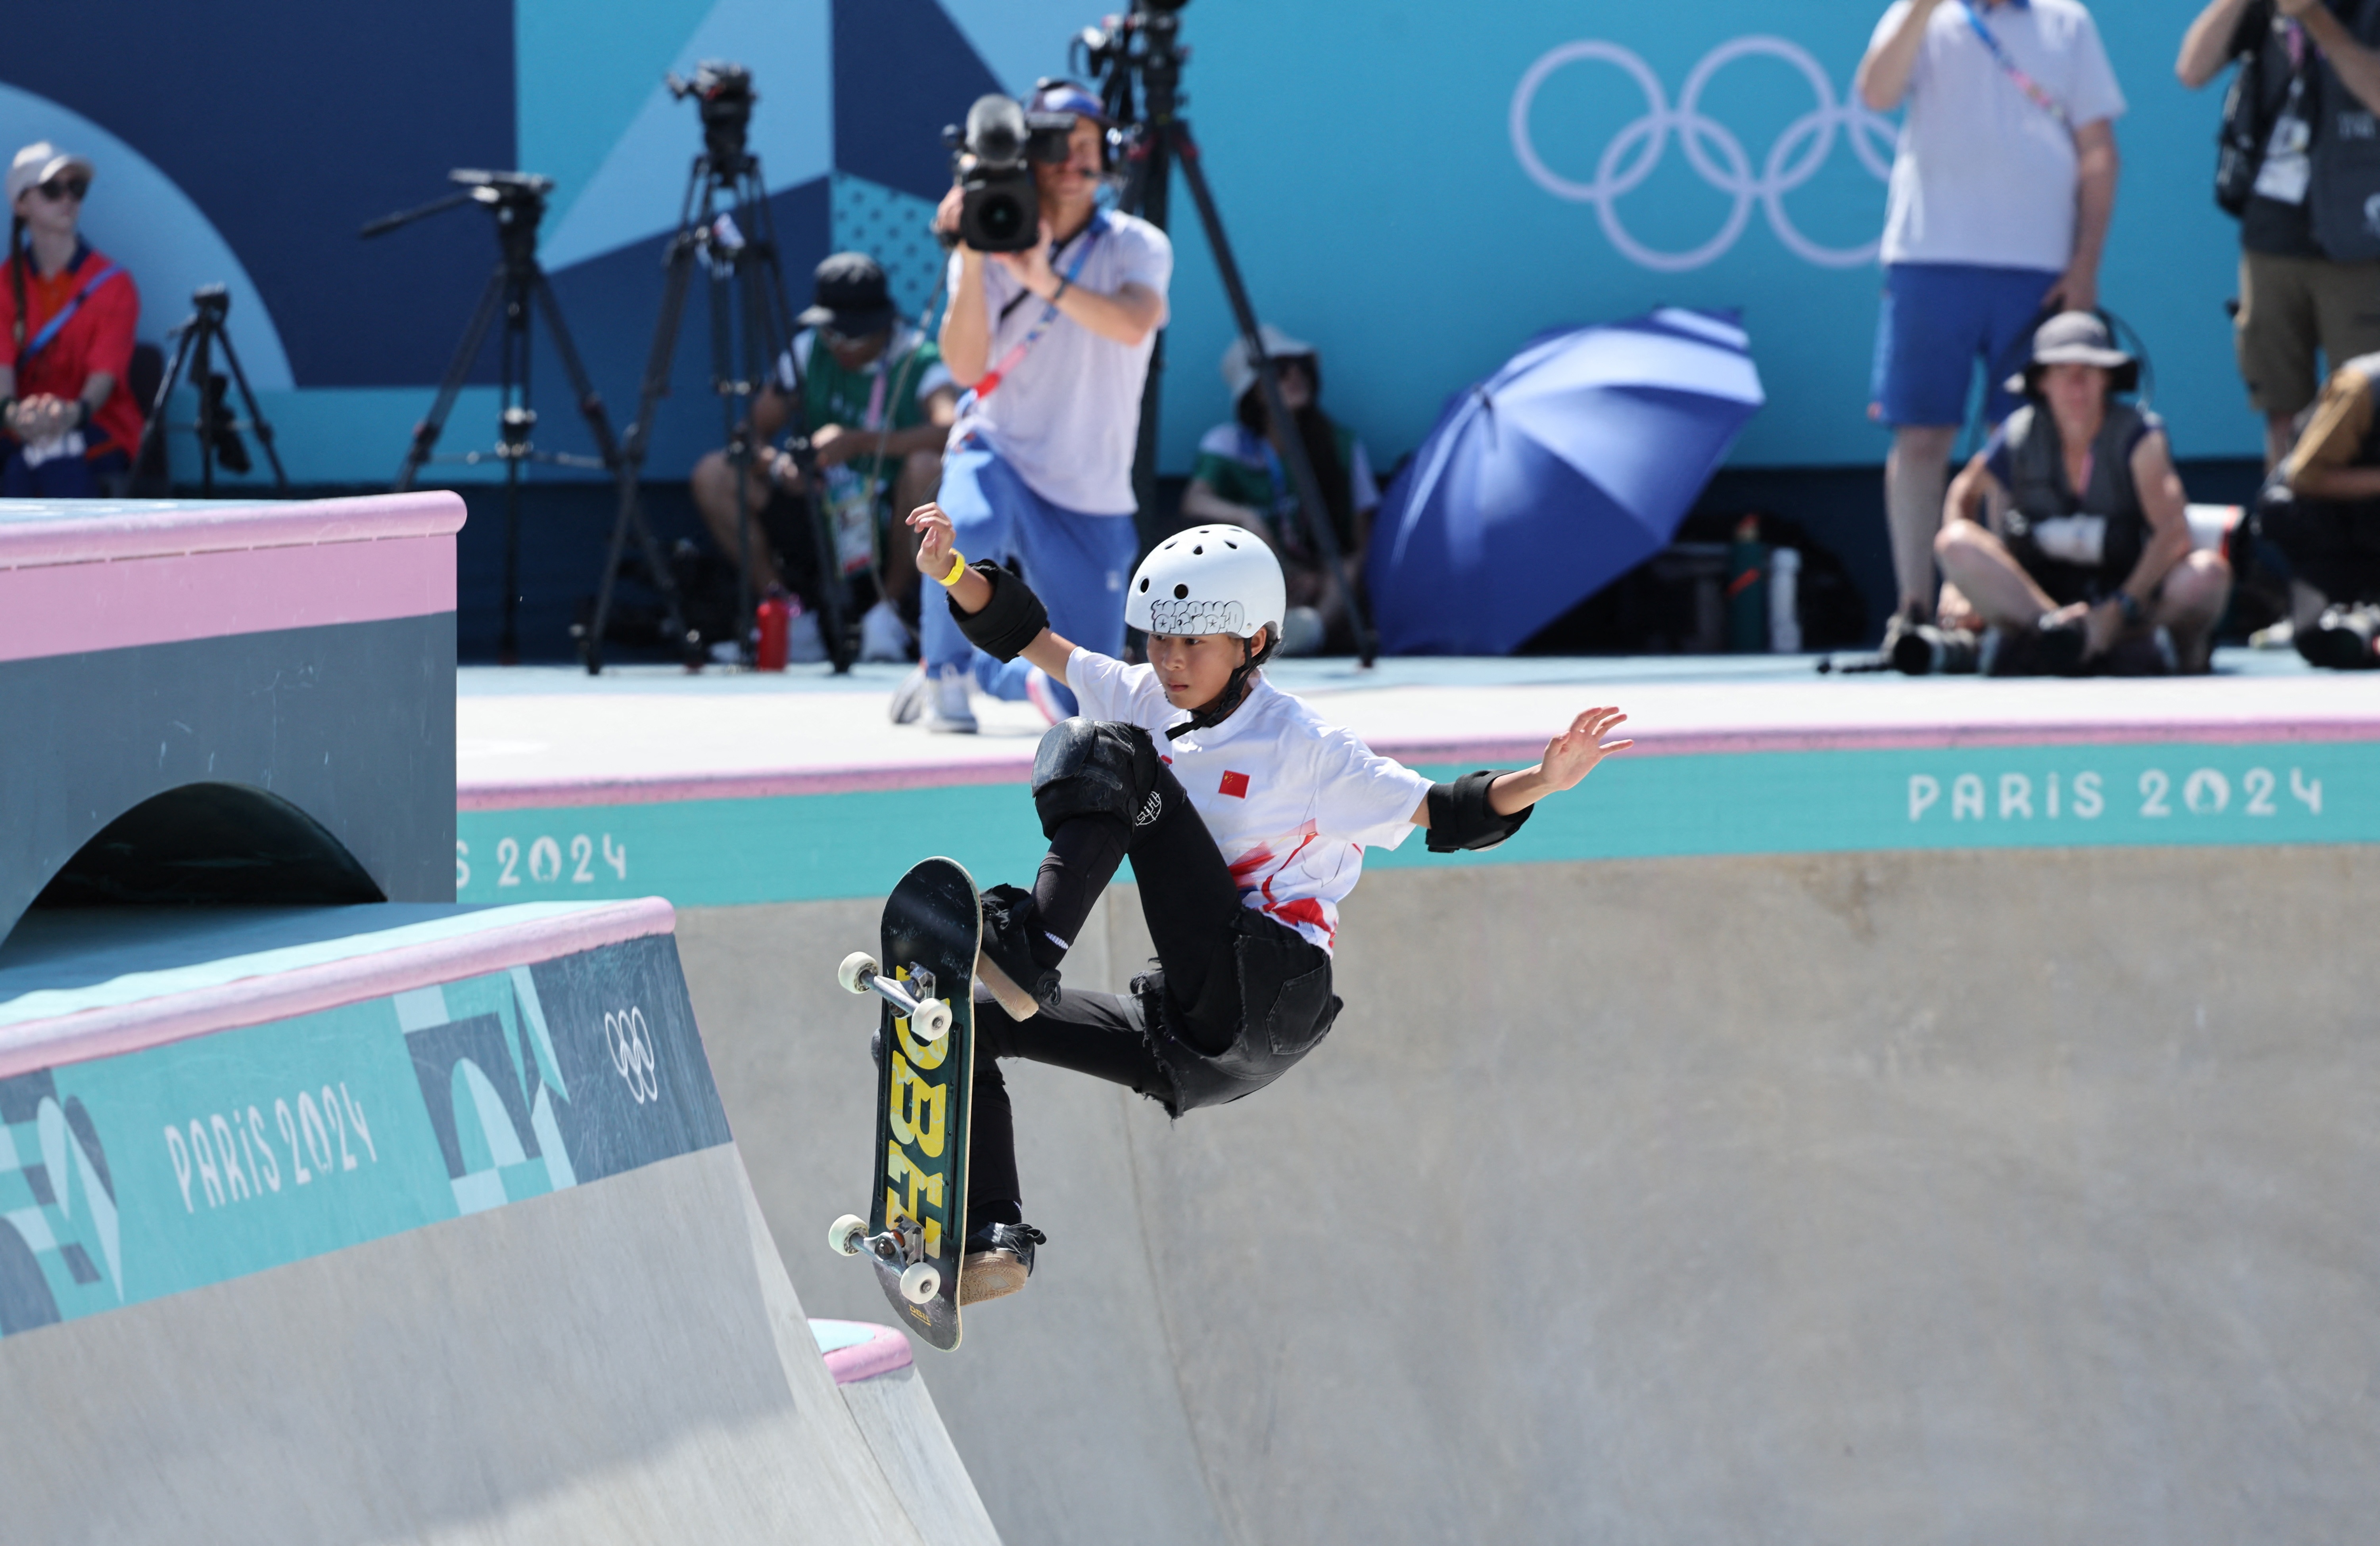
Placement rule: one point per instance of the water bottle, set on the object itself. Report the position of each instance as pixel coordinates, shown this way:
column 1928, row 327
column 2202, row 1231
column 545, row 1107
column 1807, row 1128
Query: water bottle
column 773, row 617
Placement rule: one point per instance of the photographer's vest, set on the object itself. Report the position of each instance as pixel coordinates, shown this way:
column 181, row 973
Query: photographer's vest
column 2037, row 490
column 2343, row 202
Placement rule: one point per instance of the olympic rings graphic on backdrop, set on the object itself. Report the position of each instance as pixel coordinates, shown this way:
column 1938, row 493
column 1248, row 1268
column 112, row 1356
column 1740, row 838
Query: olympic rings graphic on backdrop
column 1711, row 149
column 631, row 1046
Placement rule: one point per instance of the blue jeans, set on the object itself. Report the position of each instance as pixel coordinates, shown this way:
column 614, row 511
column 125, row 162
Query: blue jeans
column 1936, row 320
column 1076, row 563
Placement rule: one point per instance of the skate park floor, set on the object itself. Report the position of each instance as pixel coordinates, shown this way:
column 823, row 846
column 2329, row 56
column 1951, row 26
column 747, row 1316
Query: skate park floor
column 1874, row 1109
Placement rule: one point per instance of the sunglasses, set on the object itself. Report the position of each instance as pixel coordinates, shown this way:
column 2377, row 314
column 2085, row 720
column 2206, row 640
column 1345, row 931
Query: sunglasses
column 57, row 189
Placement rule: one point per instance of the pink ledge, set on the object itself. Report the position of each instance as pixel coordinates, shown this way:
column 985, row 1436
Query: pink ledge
column 559, row 794
column 118, row 532
column 880, row 1354
column 129, row 1027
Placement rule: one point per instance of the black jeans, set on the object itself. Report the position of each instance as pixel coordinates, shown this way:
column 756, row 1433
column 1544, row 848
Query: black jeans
column 1193, row 906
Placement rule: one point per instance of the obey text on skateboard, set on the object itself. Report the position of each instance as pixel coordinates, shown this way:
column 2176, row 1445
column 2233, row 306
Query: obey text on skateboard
column 923, row 975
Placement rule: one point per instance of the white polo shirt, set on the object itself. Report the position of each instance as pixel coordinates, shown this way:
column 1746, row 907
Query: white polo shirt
column 1291, row 802
column 1985, row 173
column 1067, row 416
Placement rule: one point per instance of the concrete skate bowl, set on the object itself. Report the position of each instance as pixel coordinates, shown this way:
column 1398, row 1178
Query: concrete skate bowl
column 1880, row 1196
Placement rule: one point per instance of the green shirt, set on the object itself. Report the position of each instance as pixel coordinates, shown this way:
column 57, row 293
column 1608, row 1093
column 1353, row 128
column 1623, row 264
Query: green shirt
column 1240, row 465
column 845, row 397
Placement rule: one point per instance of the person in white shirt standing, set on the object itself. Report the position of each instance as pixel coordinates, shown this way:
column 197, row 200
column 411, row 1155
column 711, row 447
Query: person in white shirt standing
column 1245, row 816
column 1052, row 344
column 1998, row 213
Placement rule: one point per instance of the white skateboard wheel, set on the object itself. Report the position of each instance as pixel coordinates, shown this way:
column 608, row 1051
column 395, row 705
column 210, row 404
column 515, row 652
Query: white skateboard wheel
column 933, row 1021
column 859, row 969
column 843, row 1236
column 919, row 1282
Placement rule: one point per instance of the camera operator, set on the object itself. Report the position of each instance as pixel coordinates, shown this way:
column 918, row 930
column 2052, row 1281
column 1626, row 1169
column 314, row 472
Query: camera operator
column 66, row 316
column 2088, row 552
column 1054, row 343
column 2306, row 167
column 879, row 403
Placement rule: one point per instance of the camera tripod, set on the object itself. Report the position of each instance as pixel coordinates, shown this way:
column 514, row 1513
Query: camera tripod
column 1156, row 138
column 723, row 222
column 218, row 433
column 518, row 288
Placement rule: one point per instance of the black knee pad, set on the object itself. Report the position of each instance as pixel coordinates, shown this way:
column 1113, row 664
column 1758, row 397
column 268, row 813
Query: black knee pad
column 1086, row 767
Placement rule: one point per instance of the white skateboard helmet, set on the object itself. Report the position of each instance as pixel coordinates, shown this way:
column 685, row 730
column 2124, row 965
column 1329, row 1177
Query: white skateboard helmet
column 1209, row 579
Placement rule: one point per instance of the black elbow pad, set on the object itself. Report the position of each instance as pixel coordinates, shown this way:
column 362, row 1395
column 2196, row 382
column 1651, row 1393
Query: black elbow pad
column 1460, row 817
column 1011, row 620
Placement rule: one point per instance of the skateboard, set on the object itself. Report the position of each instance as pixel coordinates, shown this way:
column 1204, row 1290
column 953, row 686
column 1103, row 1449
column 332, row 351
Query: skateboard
column 915, row 1234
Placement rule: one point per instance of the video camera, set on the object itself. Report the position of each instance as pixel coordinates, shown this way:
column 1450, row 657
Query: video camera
column 1000, row 208
column 724, row 96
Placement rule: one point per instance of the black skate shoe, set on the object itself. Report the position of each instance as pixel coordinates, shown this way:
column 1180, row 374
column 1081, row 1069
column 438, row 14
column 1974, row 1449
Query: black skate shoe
column 1006, row 963
column 999, row 1259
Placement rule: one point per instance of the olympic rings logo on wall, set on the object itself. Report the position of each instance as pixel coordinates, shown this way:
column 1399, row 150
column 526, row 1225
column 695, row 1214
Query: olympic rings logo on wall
column 1712, row 150
column 630, row 1043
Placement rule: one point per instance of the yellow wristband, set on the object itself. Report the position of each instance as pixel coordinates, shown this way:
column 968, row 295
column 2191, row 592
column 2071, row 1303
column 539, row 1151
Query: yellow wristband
column 958, row 568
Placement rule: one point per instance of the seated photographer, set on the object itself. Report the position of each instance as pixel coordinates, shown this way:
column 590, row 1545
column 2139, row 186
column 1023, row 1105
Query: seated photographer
column 2068, row 534
column 66, row 316
column 1053, row 344
column 879, row 404
column 2322, row 512
column 1239, row 480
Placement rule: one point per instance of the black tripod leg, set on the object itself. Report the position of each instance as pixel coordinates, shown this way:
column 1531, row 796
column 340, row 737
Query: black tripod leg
column 153, row 431
column 598, row 422
column 1285, row 440
column 630, row 514
column 474, row 333
column 255, row 415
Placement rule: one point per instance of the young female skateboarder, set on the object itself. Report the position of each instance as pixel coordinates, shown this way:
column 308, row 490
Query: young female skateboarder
column 1246, row 817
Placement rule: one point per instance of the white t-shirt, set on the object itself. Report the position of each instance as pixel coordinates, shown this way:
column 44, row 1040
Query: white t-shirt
column 1067, row 416
column 1291, row 802
column 1985, row 173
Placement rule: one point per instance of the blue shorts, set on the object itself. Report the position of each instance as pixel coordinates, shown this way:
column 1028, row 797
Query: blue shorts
column 1937, row 320
column 1077, row 564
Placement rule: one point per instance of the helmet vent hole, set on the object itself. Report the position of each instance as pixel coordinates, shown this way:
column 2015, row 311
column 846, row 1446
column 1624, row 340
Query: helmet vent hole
column 1232, row 545
column 1180, row 592
column 1198, row 552
column 1144, row 582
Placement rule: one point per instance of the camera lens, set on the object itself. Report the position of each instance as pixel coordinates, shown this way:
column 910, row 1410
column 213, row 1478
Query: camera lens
column 1003, row 219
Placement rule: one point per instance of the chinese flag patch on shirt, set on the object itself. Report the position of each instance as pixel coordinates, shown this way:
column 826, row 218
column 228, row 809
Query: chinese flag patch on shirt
column 1237, row 785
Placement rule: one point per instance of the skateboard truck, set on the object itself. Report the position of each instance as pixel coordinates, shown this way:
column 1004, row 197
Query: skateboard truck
column 902, row 1243
column 926, row 1014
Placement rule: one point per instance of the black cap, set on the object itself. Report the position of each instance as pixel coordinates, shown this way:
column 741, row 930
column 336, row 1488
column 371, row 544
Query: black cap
column 849, row 290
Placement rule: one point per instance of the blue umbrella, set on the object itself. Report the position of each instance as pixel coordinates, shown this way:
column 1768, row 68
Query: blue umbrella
column 1560, row 473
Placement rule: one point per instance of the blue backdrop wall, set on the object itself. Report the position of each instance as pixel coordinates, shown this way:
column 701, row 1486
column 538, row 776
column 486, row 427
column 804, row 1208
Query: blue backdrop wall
column 1416, row 186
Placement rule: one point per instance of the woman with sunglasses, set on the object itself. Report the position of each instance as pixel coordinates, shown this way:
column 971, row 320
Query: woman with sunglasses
column 68, row 423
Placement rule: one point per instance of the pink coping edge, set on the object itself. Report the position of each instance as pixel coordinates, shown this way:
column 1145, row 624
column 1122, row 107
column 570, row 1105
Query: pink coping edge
column 227, row 527
column 68, row 608
column 558, row 794
column 880, row 1354
column 119, row 1028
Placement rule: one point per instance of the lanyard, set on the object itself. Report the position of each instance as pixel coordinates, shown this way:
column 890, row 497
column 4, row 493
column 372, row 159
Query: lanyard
column 50, row 329
column 1998, row 50
column 1016, row 351
column 876, row 388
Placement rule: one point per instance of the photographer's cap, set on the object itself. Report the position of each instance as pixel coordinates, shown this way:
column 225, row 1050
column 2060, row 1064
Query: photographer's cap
column 1240, row 372
column 2077, row 338
column 1053, row 95
column 37, row 163
column 850, row 296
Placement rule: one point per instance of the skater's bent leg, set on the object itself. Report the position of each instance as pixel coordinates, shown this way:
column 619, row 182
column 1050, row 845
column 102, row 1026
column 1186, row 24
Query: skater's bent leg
column 1097, row 1034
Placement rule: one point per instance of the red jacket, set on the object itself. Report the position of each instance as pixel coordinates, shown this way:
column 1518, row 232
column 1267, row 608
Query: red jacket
column 97, row 337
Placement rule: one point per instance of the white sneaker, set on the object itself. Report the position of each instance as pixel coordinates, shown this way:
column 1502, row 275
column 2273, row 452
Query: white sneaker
column 882, row 635
column 1043, row 692
column 946, row 708
column 909, row 698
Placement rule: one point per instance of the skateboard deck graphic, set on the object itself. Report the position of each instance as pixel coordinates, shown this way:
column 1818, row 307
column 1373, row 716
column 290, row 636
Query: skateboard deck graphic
column 923, row 975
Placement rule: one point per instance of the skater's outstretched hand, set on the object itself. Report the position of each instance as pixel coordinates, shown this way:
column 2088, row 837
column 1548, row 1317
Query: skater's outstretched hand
column 970, row 592
column 1569, row 758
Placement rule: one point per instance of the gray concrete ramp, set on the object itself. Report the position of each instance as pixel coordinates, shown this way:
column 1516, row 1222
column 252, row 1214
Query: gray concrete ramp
column 1842, row 1197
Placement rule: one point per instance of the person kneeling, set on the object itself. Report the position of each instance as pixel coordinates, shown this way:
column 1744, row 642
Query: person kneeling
column 2322, row 512
column 1245, row 816
column 2068, row 535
